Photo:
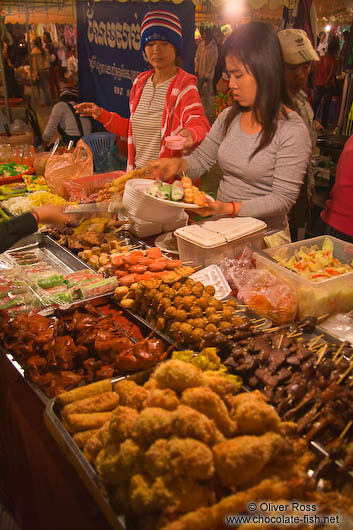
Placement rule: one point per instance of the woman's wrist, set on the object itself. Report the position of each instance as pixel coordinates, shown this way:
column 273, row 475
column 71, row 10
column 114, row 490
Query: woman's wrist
column 230, row 209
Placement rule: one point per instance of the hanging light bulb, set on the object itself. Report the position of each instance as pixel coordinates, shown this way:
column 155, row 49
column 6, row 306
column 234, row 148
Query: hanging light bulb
column 328, row 28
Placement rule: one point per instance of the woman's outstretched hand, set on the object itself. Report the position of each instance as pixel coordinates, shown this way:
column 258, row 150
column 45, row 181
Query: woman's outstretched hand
column 165, row 169
column 88, row 109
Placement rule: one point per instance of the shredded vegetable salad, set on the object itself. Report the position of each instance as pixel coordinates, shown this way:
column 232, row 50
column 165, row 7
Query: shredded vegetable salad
column 18, row 205
column 11, row 169
column 314, row 263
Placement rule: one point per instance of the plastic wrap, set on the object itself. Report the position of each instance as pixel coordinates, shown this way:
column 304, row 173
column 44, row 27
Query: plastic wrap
column 263, row 292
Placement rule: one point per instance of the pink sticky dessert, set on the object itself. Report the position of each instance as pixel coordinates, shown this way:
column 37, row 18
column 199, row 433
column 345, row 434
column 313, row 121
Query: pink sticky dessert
column 175, row 142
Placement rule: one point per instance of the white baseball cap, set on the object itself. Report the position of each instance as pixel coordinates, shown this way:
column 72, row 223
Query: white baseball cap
column 296, row 47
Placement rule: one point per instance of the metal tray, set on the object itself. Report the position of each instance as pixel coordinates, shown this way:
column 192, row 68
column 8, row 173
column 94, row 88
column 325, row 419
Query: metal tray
column 54, row 253
column 75, row 456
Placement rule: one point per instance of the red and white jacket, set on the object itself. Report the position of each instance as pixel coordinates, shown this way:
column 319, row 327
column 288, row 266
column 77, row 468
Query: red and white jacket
column 183, row 110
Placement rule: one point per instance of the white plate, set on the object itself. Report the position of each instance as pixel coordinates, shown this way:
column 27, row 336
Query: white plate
column 162, row 242
column 178, row 204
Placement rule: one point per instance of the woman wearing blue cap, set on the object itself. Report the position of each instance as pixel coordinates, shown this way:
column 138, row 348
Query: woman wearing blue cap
column 164, row 101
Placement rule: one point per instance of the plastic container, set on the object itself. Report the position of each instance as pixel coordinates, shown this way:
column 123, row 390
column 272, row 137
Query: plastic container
column 327, row 297
column 212, row 275
column 176, row 142
column 204, row 243
column 93, row 183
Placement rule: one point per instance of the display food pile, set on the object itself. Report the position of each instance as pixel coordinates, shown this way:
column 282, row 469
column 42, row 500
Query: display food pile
column 184, row 450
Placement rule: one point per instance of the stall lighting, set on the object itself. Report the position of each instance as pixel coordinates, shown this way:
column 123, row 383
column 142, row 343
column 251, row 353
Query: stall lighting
column 328, row 28
column 233, row 8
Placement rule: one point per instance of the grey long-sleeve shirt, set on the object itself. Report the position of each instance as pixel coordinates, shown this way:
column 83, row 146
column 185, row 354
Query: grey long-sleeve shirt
column 268, row 184
column 62, row 115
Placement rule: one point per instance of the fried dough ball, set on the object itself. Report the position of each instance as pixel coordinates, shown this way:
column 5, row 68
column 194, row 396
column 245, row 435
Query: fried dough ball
column 121, row 423
column 163, row 398
column 187, row 302
column 197, row 334
column 210, row 310
column 189, row 282
column 209, row 403
column 231, row 303
column 165, row 302
column 185, row 330
column 170, row 312
column 153, row 423
column 177, row 285
column 151, row 384
column 177, row 375
column 189, row 423
column 184, row 457
column 130, row 457
column 214, row 318
column 211, row 328
column 216, row 303
column 141, row 494
column 178, row 301
column 224, row 324
column 181, row 315
column 195, row 312
column 198, row 289
column 130, row 394
column 209, row 289
column 200, row 322
column 203, row 302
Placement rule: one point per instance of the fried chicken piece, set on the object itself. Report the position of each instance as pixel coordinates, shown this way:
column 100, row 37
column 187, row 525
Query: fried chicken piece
column 122, row 423
column 179, row 456
column 116, row 464
column 178, row 375
column 213, row 517
column 151, row 384
column 177, row 496
column 252, row 414
column 163, row 398
column 219, row 384
column 131, row 394
column 153, row 423
column 240, row 460
column 189, row 423
column 209, row 403
column 97, row 442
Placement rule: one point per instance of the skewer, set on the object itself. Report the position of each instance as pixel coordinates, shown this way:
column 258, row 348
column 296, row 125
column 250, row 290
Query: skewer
column 295, row 335
column 315, row 339
column 346, row 429
column 270, row 330
column 322, row 317
column 280, row 341
column 258, row 325
column 338, row 352
column 345, row 373
column 254, row 320
column 321, row 354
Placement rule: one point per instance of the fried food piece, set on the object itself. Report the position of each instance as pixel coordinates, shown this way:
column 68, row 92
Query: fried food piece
column 179, row 456
column 131, row 394
column 84, row 422
column 100, row 403
column 189, row 423
column 209, row 518
column 153, row 423
column 252, row 414
column 180, row 495
column 107, row 465
column 240, row 460
column 81, row 438
column 122, row 423
column 178, row 375
column 209, row 403
column 83, row 392
column 219, row 384
column 163, row 398
column 97, row 442
column 150, row 384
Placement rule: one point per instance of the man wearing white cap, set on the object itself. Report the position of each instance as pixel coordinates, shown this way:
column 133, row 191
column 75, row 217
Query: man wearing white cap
column 298, row 53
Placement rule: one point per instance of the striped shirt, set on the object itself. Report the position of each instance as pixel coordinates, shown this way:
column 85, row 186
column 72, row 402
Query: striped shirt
column 147, row 122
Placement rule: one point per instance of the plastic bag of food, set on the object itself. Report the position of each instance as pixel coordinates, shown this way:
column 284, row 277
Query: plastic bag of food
column 263, row 292
column 68, row 166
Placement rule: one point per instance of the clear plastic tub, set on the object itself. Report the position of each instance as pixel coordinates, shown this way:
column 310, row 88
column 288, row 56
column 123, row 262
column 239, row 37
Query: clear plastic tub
column 212, row 275
column 327, row 297
column 205, row 243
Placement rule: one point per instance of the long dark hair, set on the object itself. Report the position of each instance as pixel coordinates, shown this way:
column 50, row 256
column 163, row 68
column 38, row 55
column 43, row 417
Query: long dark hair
column 38, row 42
column 257, row 46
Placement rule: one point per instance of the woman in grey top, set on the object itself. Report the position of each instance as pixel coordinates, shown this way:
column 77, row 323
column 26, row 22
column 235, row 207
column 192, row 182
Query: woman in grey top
column 260, row 143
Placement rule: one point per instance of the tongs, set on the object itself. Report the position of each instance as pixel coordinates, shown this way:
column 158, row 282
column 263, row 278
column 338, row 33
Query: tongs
column 95, row 209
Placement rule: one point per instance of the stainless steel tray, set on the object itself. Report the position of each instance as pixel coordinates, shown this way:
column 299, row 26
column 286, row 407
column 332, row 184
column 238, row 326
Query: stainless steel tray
column 76, row 458
column 55, row 253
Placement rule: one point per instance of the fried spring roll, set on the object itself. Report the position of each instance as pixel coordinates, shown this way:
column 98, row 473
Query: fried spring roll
column 85, row 422
column 83, row 392
column 100, row 403
column 81, row 438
